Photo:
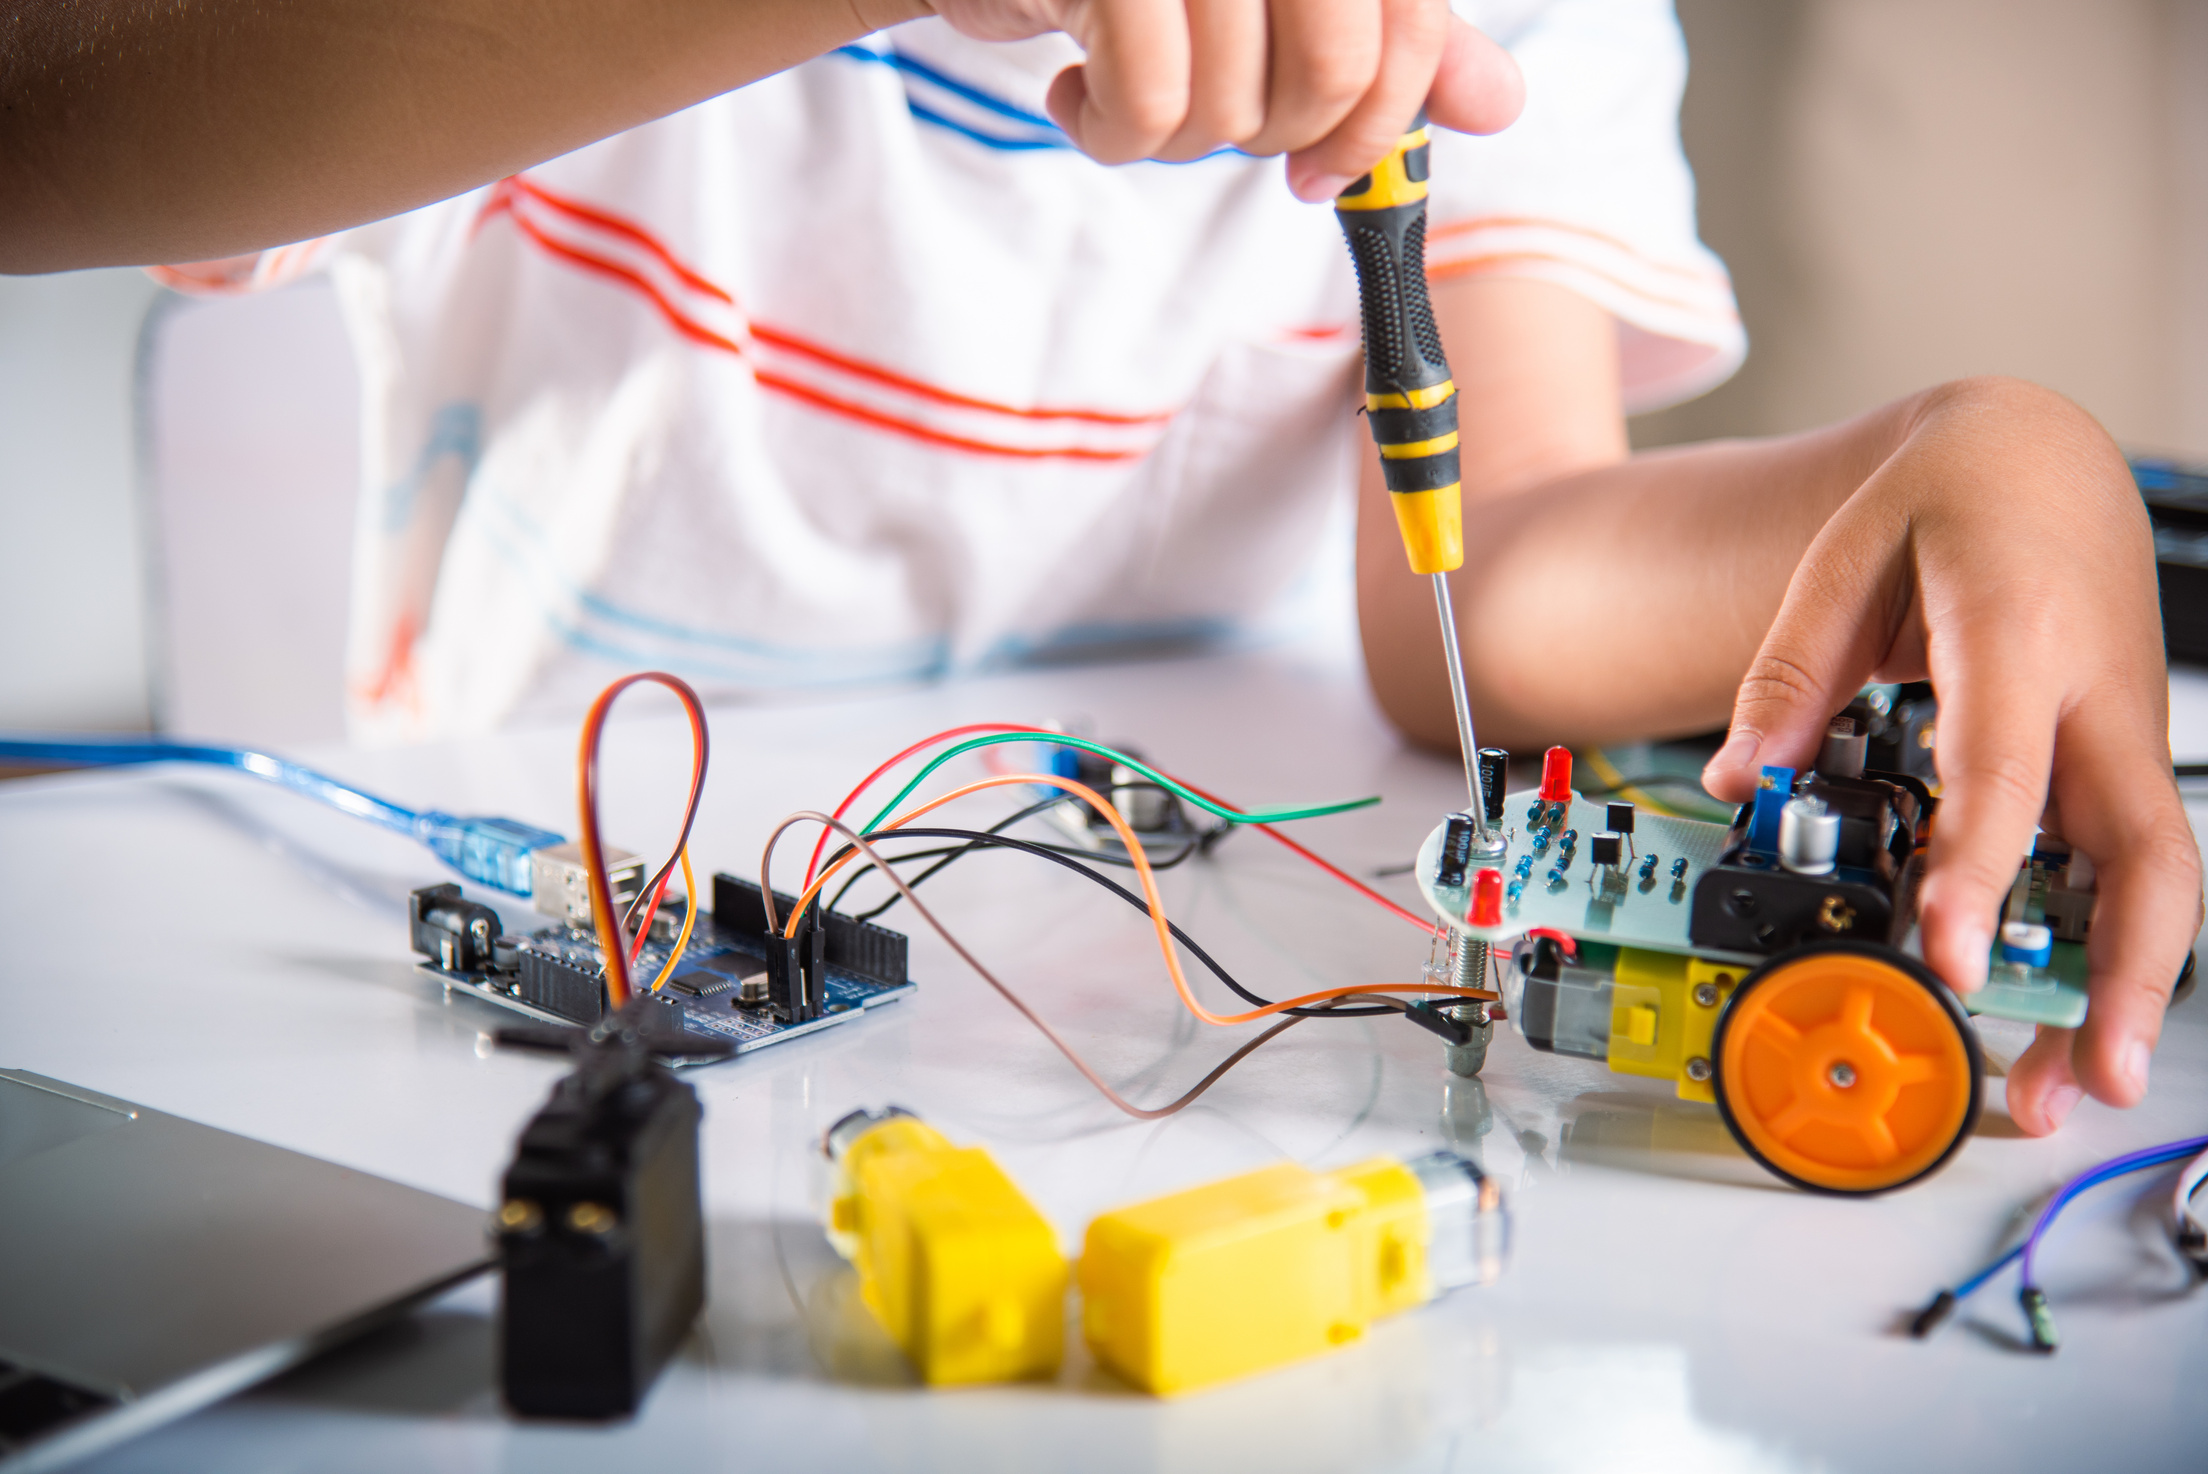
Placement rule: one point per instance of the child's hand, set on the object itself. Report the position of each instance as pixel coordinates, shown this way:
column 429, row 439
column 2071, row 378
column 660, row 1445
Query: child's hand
column 1330, row 83
column 2004, row 553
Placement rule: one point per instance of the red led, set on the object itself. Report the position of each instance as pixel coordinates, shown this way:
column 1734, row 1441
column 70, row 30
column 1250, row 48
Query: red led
column 1556, row 776
column 1487, row 899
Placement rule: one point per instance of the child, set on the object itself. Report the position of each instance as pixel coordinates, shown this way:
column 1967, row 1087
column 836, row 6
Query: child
column 872, row 369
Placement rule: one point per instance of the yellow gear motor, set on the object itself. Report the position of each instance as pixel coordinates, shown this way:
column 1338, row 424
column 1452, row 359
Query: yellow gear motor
column 1280, row 1264
column 953, row 1260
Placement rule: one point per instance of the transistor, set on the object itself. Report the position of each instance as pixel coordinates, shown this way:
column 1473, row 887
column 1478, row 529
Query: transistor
column 1619, row 817
column 1606, row 849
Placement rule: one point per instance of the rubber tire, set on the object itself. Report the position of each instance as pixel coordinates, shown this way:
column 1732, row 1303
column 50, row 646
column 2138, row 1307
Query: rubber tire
column 1909, row 967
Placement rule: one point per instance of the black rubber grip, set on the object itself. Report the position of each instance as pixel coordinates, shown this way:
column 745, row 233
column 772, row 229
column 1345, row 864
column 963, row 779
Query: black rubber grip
column 1422, row 473
column 1402, row 345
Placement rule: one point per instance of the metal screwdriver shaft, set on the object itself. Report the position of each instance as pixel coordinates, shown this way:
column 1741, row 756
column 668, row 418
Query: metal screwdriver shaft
column 1455, row 658
column 1410, row 399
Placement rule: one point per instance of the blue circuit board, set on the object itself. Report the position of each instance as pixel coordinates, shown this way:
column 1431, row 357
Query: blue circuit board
column 711, row 950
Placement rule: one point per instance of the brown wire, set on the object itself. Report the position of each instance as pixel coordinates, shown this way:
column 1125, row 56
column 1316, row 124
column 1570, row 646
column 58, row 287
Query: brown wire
column 1138, row 1112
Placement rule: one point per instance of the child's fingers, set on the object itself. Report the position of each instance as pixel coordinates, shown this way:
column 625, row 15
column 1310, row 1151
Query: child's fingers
column 1229, row 55
column 1998, row 710
column 2042, row 1089
column 1131, row 93
column 2121, row 809
column 1477, row 87
column 1330, row 58
column 1430, row 59
column 1831, row 630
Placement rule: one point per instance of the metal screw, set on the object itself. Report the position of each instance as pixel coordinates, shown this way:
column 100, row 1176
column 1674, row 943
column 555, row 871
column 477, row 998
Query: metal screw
column 519, row 1215
column 592, row 1218
column 1705, row 994
column 1698, row 1069
column 1842, row 1074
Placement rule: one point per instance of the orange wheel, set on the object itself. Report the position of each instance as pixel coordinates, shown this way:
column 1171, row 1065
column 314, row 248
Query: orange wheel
column 1847, row 1068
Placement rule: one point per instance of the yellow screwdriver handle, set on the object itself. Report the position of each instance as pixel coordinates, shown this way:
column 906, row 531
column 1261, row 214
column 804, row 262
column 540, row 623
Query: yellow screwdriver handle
column 1410, row 400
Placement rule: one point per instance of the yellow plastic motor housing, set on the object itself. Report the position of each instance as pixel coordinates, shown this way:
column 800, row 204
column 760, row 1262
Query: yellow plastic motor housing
column 1217, row 1282
column 957, row 1265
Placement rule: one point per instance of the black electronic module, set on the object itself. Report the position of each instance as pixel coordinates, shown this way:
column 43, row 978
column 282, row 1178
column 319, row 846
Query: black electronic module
column 727, row 987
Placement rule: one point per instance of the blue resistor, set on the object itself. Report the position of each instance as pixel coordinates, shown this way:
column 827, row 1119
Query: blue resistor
column 1648, row 866
column 1540, row 841
column 1571, row 839
column 1773, row 789
column 1525, row 866
column 1517, row 889
column 1533, row 815
column 1556, row 874
column 1679, row 868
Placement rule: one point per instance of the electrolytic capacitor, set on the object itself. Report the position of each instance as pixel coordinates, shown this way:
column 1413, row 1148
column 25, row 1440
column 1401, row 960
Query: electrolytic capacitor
column 1494, row 779
column 1845, row 748
column 1809, row 836
column 1457, row 833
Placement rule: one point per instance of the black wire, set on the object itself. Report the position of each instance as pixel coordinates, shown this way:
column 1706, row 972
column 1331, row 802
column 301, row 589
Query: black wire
column 2189, row 770
column 953, row 852
column 845, row 888
column 1197, row 843
column 977, row 838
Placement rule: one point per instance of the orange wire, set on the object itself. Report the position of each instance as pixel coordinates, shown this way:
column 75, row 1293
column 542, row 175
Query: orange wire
column 821, row 844
column 1150, row 894
column 612, row 939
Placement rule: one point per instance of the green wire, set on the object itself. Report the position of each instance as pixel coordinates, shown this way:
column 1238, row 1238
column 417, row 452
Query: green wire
column 1256, row 816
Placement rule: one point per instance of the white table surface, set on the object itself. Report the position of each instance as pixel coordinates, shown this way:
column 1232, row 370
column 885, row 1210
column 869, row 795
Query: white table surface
column 225, row 952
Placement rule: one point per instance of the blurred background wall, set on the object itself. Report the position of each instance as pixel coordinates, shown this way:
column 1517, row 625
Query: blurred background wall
column 1906, row 191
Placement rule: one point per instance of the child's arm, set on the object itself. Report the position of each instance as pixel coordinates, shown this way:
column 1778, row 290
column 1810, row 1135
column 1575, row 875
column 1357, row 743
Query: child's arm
column 133, row 132
column 1984, row 534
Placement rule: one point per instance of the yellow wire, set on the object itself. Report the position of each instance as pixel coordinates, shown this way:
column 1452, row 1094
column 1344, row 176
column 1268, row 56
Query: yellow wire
column 689, row 919
column 1608, row 772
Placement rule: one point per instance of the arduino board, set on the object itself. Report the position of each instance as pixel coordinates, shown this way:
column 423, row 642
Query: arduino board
column 734, row 982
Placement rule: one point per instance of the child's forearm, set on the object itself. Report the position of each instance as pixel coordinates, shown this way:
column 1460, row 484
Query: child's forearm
column 1984, row 534
column 1611, row 602
column 134, row 131
column 1603, row 597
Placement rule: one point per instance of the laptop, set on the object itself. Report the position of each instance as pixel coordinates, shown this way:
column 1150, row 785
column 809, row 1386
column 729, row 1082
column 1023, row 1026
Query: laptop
column 150, row 1266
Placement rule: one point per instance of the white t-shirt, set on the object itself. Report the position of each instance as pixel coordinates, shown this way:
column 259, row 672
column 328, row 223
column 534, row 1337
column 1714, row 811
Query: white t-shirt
column 862, row 372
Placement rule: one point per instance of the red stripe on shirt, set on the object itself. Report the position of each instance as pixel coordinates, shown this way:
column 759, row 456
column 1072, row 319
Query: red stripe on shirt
column 791, row 342
column 766, row 379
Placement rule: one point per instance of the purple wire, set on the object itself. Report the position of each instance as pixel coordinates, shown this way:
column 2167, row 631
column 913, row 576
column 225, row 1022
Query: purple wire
column 2145, row 1157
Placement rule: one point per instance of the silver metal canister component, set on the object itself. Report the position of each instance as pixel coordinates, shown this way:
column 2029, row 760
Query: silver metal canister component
column 1809, row 836
column 1469, row 1229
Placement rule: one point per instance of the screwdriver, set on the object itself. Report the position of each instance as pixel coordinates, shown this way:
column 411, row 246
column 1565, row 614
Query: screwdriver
column 1410, row 400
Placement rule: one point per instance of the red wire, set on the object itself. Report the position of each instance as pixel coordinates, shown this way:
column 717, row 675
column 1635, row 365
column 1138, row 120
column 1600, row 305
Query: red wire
column 613, row 941
column 1328, row 866
column 812, row 865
